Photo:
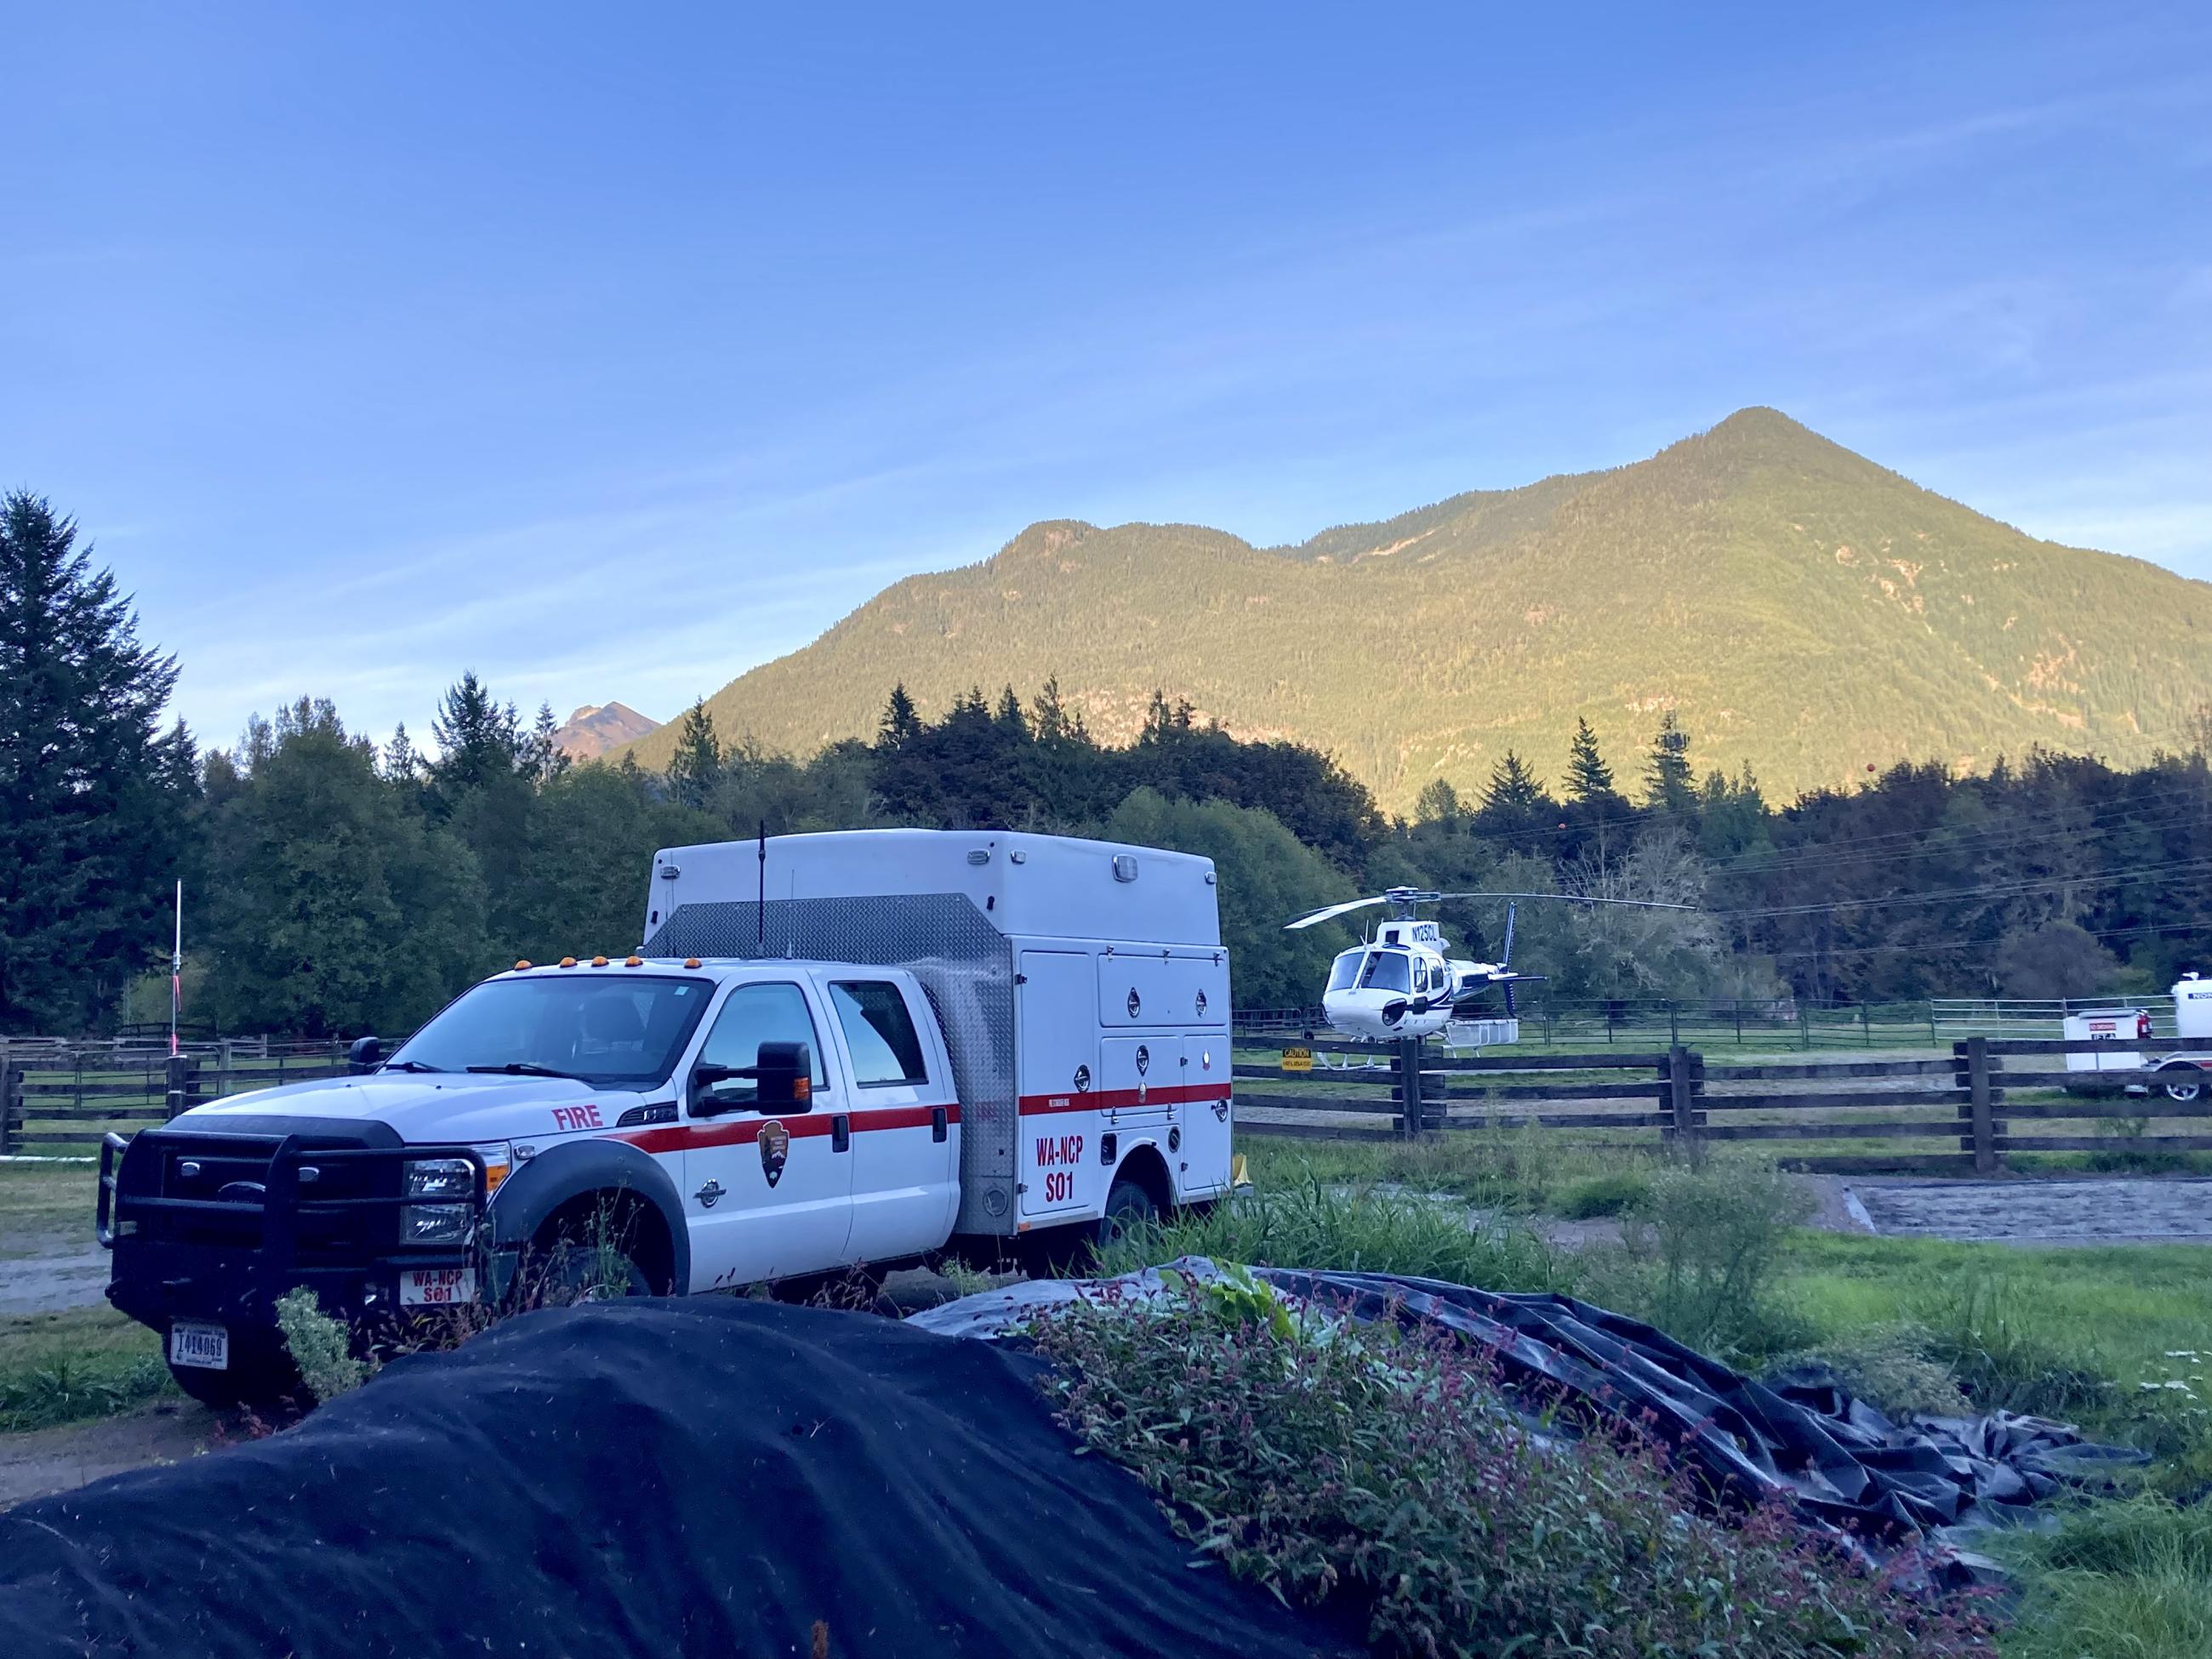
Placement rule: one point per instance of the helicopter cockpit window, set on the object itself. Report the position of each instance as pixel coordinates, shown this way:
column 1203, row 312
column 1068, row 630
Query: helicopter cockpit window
column 1387, row 970
column 1345, row 970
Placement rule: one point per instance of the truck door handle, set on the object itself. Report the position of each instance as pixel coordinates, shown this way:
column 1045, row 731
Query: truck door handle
column 841, row 1133
column 937, row 1123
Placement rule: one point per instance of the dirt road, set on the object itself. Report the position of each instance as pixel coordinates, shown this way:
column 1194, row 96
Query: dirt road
column 2094, row 1210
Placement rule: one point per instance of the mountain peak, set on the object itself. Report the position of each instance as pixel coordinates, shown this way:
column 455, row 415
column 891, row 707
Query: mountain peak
column 596, row 728
column 1801, row 609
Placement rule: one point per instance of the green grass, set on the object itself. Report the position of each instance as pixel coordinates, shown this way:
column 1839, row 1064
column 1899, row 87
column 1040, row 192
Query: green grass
column 40, row 1200
column 2076, row 1332
column 2117, row 1581
column 63, row 1367
column 87, row 1362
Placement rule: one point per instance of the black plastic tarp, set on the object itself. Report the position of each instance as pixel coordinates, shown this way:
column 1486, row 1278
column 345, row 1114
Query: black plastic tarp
column 709, row 1477
column 1846, row 1466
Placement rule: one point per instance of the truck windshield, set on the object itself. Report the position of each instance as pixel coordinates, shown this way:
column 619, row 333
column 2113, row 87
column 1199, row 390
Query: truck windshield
column 603, row 1029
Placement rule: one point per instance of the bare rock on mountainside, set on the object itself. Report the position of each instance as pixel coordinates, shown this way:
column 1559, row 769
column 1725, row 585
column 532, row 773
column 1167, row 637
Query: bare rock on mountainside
column 1800, row 609
column 593, row 730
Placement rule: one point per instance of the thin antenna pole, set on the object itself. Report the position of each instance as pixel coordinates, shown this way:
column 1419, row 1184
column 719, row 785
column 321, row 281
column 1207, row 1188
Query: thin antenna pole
column 177, row 971
column 760, row 910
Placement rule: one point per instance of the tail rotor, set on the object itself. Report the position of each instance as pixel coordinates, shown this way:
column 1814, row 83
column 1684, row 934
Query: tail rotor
column 1505, row 961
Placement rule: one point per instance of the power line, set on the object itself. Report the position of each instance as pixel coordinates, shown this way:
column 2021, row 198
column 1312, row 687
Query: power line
column 1995, row 890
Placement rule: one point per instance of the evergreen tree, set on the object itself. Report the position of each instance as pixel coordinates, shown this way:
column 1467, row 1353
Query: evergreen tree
column 1588, row 775
column 92, row 824
column 478, row 741
column 1438, row 804
column 1667, row 783
column 1048, row 714
column 900, row 725
column 1009, row 717
column 695, row 768
column 543, row 757
column 402, row 765
column 1513, row 789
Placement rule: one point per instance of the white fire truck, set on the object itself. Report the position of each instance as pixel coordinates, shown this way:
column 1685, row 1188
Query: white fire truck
column 832, row 1052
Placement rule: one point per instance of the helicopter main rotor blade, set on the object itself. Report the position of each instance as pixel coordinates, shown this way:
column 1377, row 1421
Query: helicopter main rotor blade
column 1571, row 898
column 1330, row 912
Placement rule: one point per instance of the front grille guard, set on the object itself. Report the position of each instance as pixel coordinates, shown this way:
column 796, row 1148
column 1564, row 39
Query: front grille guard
column 281, row 1202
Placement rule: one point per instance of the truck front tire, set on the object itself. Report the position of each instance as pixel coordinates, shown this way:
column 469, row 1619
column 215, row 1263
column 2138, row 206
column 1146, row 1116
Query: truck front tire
column 260, row 1373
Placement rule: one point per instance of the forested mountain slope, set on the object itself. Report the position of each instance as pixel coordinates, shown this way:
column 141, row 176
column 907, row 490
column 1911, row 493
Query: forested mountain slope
column 1800, row 607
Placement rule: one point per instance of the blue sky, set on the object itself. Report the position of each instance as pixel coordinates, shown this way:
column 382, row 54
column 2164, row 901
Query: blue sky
column 609, row 351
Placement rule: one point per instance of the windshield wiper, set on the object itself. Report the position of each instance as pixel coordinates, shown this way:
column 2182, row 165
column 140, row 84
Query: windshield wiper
column 408, row 1065
column 525, row 1068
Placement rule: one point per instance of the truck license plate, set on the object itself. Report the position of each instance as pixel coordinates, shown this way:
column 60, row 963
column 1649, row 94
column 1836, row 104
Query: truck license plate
column 206, row 1346
column 436, row 1287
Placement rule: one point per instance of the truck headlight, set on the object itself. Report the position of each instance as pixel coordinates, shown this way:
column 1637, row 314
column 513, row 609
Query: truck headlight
column 448, row 1178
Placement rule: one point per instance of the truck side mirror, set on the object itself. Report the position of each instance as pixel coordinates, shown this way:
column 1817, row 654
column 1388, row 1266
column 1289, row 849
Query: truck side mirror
column 786, row 1071
column 784, row 1074
column 366, row 1055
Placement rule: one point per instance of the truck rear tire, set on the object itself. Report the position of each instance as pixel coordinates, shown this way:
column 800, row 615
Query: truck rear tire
column 1127, row 1206
column 2184, row 1083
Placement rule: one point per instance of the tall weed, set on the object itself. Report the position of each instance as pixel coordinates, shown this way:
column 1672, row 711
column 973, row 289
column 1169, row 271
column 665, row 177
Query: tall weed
column 1987, row 1328
column 1703, row 1248
column 1382, row 1473
column 1311, row 1223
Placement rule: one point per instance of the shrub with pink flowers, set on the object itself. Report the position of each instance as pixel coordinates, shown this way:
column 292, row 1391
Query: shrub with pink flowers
column 1382, row 1472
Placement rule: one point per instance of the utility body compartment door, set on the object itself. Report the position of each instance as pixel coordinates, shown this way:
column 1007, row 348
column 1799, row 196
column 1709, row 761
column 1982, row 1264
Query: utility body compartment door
column 1056, row 1035
column 1205, row 1116
column 1163, row 988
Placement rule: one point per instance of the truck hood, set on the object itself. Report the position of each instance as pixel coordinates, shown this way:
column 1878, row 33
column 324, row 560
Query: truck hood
column 427, row 1108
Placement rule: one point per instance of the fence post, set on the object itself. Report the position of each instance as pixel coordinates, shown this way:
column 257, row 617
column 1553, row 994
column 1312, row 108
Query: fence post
column 178, row 1083
column 1674, row 1023
column 225, row 1063
column 1411, row 1119
column 11, row 1105
column 1679, row 1099
column 1739, row 1022
column 1977, row 1096
column 1866, row 1025
column 1804, row 1029
column 1931, row 1022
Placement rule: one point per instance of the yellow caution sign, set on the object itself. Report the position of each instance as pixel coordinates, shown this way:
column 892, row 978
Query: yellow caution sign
column 1297, row 1060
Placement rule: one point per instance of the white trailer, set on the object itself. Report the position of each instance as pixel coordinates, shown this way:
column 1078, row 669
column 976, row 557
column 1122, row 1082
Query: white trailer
column 2128, row 1030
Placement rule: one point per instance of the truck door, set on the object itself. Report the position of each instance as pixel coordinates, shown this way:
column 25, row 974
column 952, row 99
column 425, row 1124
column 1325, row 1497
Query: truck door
column 906, row 1146
column 1056, row 1033
column 767, row 1194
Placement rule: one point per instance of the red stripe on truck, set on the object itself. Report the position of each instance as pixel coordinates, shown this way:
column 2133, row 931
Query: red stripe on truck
column 1100, row 1100
column 698, row 1137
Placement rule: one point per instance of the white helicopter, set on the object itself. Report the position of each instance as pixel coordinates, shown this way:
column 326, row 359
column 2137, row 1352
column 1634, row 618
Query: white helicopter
column 1401, row 983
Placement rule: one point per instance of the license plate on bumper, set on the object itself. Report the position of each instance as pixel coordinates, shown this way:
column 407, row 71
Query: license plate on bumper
column 436, row 1287
column 205, row 1347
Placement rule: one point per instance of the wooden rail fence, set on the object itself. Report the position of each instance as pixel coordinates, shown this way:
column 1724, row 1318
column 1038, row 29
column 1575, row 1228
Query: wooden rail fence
column 61, row 1098
column 1333, row 1090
